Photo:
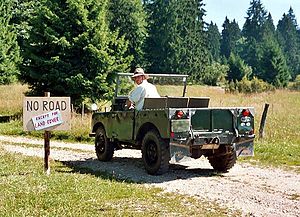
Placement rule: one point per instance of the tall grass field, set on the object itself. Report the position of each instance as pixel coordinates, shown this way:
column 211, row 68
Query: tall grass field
column 280, row 146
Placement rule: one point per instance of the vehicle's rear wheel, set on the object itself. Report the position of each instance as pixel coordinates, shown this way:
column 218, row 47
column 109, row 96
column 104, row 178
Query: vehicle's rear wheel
column 223, row 160
column 104, row 149
column 155, row 153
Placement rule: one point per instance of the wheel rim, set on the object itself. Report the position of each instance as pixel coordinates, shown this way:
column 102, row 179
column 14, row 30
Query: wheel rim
column 151, row 152
column 100, row 144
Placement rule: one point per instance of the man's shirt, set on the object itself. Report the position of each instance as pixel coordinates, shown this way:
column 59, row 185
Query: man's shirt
column 145, row 89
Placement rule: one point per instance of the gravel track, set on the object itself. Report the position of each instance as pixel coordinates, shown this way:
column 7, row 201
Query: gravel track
column 256, row 191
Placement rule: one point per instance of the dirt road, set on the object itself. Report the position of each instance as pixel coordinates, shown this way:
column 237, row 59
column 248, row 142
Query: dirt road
column 256, row 191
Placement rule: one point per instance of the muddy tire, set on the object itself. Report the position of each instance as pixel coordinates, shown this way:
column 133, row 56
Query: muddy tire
column 104, row 149
column 223, row 160
column 155, row 153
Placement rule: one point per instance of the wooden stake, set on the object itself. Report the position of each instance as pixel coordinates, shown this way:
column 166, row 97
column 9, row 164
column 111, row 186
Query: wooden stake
column 263, row 121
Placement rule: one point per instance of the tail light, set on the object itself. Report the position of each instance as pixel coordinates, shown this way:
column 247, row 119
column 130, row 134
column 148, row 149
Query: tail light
column 246, row 112
column 246, row 122
column 179, row 114
column 172, row 135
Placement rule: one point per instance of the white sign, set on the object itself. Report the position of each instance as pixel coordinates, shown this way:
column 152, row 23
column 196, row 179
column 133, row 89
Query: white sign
column 39, row 106
column 47, row 120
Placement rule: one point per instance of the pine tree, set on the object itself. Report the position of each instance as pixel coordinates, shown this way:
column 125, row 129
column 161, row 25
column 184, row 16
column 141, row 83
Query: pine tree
column 274, row 67
column 71, row 52
column 9, row 49
column 177, row 37
column 255, row 31
column 238, row 69
column 252, row 53
column 192, row 54
column 213, row 41
column 268, row 29
column 128, row 17
column 256, row 18
column 231, row 33
column 157, row 47
column 289, row 41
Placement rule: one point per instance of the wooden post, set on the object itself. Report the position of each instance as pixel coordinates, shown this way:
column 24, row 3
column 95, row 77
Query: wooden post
column 82, row 111
column 47, row 146
column 263, row 121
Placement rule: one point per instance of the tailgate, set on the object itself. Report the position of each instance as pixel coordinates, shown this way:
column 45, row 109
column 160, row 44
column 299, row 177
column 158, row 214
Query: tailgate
column 212, row 120
column 234, row 125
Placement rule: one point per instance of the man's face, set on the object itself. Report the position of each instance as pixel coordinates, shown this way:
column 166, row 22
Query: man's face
column 138, row 79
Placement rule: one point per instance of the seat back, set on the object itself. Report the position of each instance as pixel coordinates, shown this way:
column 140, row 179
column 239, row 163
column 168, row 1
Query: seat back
column 177, row 102
column 155, row 103
column 198, row 102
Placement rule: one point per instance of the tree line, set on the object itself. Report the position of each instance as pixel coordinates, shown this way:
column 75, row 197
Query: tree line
column 76, row 47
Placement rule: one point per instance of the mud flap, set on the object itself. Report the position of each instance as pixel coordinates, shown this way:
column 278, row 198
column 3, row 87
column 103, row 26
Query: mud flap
column 244, row 149
column 179, row 153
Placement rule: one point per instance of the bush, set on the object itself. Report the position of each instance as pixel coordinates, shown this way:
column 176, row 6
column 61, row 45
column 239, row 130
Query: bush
column 296, row 84
column 215, row 74
column 249, row 86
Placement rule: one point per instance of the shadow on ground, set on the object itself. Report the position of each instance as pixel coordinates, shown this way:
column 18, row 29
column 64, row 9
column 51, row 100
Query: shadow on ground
column 132, row 170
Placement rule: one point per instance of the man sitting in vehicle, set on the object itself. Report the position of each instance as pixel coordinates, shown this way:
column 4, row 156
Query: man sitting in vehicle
column 144, row 89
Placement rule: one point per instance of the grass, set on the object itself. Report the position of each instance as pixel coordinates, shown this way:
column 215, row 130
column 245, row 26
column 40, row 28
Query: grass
column 11, row 98
column 70, row 191
column 279, row 147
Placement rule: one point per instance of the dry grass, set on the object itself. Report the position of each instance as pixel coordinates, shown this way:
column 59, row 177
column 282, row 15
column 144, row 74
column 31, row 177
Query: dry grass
column 11, row 98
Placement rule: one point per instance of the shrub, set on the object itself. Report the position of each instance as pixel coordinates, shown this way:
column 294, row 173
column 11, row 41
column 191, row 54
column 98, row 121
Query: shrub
column 296, row 84
column 215, row 74
column 249, row 86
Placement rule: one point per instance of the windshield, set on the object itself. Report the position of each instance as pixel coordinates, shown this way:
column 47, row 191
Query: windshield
column 164, row 83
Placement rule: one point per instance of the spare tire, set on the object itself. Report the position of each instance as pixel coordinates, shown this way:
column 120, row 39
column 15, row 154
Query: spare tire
column 224, row 160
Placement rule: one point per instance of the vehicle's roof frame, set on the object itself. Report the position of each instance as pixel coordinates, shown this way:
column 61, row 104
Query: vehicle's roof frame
column 184, row 79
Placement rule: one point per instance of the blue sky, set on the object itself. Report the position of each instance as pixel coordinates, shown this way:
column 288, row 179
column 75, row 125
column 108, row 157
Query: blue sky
column 217, row 10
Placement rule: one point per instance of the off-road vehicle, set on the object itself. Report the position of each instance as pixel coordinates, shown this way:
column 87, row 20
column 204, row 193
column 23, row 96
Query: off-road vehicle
column 169, row 129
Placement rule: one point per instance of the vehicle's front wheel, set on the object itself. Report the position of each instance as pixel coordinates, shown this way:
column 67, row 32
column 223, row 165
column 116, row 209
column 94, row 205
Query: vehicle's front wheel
column 224, row 160
column 104, row 149
column 155, row 153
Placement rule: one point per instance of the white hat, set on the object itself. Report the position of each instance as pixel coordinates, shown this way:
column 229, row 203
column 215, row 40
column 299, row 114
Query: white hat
column 139, row 72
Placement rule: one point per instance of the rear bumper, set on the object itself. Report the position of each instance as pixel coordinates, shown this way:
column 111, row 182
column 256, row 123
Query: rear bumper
column 184, row 145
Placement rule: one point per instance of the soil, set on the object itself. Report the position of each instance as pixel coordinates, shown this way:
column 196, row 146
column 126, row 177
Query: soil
column 254, row 190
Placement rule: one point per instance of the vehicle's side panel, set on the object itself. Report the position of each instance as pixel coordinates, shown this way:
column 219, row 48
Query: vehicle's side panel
column 158, row 118
column 122, row 125
column 117, row 124
column 102, row 118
